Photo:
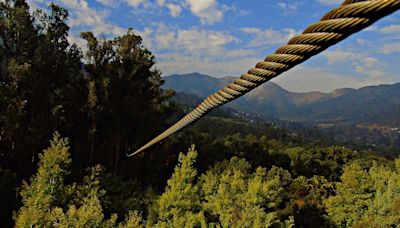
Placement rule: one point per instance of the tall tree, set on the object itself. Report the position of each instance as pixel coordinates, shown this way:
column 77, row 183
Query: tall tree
column 227, row 195
column 366, row 197
column 125, row 96
column 18, row 37
column 40, row 80
column 49, row 202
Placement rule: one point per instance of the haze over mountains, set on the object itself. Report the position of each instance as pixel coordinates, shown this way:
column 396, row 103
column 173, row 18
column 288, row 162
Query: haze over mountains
column 369, row 105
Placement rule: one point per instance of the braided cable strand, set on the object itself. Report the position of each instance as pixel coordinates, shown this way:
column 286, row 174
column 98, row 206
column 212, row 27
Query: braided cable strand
column 351, row 17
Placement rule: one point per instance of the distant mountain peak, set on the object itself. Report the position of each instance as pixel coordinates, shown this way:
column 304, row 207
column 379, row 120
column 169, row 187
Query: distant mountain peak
column 340, row 92
column 372, row 104
column 194, row 74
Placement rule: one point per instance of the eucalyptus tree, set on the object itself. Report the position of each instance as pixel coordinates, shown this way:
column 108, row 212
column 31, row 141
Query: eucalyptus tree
column 40, row 79
column 125, row 100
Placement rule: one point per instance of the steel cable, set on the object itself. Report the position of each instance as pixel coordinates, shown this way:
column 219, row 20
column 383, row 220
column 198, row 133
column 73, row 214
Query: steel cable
column 341, row 22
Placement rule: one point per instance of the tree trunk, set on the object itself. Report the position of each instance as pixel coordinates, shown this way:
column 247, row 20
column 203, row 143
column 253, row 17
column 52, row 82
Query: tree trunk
column 117, row 151
column 92, row 139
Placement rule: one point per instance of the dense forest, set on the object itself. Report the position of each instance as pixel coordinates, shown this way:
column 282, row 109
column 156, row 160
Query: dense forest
column 69, row 116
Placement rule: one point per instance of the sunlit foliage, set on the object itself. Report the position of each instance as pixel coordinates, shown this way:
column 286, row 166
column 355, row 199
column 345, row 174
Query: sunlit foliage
column 366, row 197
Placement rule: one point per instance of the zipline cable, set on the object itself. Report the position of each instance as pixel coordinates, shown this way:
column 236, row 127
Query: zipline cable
column 341, row 22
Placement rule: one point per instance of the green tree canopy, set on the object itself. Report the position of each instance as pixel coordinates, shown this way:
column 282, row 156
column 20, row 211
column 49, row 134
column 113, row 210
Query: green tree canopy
column 125, row 99
column 40, row 80
column 49, row 202
column 366, row 197
column 228, row 195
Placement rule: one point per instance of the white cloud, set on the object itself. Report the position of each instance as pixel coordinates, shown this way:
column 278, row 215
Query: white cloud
column 160, row 2
column 267, row 37
column 386, row 39
column 206, row 10
column 390, row 48
column 200, row 5
column 76, row 39
column 85, row 18
column 239, row 53
column 236, row 10
column 370, row 72
column 389, row 29
column 172, row 63
column 220, row 53
column 135, row 3
column 345, row 56
column 95, row 20
column 174, row 9
column 194, row 41
column 107, row 2
column 200, row 40
column 361, row 42
column 206, row 51
column 389, row 37
column 330, row 2
column 288, row 8
column 34, row 4
column 147, row 35
column 305, row 79
column 362, row 63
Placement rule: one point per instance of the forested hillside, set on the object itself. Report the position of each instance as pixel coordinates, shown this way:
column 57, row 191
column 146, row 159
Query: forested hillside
column 366, row 117
column 368, row 105
column 68, row 118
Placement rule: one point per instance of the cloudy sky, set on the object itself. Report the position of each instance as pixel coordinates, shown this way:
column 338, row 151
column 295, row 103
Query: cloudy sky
column 226, row 37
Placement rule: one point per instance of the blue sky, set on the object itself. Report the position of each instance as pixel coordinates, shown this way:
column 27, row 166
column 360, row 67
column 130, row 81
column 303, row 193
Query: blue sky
column 225, row 38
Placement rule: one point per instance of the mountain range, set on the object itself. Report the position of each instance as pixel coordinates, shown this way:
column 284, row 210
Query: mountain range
column 369, row 105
